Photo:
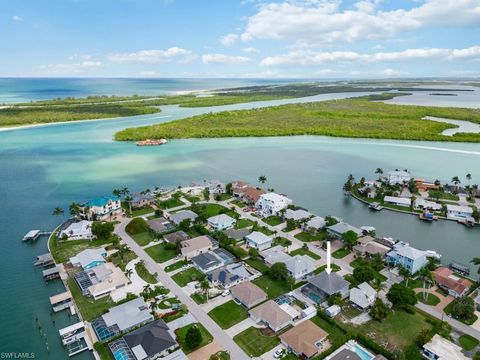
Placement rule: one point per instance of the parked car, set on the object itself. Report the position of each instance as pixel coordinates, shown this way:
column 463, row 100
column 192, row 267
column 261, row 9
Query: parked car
column 226, row 293
column 278, row 354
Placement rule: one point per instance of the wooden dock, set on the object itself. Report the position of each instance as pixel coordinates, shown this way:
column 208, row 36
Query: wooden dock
column 35, row 234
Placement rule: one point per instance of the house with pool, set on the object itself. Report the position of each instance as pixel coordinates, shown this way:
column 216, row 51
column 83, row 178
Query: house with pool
column 320, row 287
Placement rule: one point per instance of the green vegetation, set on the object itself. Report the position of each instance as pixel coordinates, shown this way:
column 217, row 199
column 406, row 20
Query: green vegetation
column 303, row 251
column 205, row 337
column 161, row 252
column 89, row 308
column 144, row 273
column 468, row 342
column 170, row 203
column 184, row 277
column 143, row 238
column 432, row 299
column 228, row 314
column 273, row 220
column 462, row 309
column 122, row 257
column 223, row 197
column 309, row 237
column 243, row 223
column 359, row 118
column 208, row 210
column 341, row 253
column 140, row 212
column 254, row 342
column 322, row 268
column 199, row 297
column 257, row 264
column 139, row 230
column 441, row 195
column 176, row 265
column 272, row 287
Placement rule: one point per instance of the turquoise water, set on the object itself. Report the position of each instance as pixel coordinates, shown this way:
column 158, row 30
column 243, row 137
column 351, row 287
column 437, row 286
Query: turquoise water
column 50, row 166
column 362, row 353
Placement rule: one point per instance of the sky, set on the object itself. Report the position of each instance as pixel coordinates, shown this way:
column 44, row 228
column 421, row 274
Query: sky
column 240, row 38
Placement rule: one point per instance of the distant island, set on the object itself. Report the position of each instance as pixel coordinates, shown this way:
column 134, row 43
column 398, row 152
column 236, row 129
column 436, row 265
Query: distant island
column 442, row 94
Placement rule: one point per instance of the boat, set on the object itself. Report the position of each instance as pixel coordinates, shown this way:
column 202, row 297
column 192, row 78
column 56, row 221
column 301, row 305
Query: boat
column 459, row 268
column 152, row 142
column 427, row 216
column 467, row 222
column 375, row 206
column 433, row 254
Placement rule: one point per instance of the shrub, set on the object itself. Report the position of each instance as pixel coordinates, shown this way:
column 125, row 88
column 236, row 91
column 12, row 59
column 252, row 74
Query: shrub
column 193, row 338
column 400, row 295
column 102, row 230
column 363, row 274
column 136, row 226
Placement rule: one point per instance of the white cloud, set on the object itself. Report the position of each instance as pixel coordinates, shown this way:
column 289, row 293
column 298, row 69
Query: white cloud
column 312, row 58
column 17, row 18
column 229, row 39
column 152, row 56
column 225, row 59
column 148, row 73
column 319, row 22
column 79, row 57
column 392, row 72
column 250, row 50
column 71, row 68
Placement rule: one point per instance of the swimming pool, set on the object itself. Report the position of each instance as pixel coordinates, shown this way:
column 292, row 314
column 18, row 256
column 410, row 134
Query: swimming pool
column 361, row 352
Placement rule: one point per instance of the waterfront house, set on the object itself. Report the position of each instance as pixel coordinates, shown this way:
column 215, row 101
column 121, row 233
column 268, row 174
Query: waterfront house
column 271, row 204
column 297, row 215
column 160, row 225
column 122, row 318
column 423, row 185
column 305, row 340
column 207, row 261
column 363, row 296
column 258, row 240
column 453, row 284
column 248, row 294
column 221, row 222
column 81, row 230
column 398, row 177
column 141, row 200
column 177, row 236
column 245, row 192
column 216, row 187
column 178, row 217
column 457, row 212
column 101, row 280
column 323, row 285
column 229, row 275
column 423, row 204
column 341, row 228
column 439, row 348
column 397, row 201
column 101, row 208
column 89, row 258
column 272, row 315
column 197, row 245
column 316, row 223
column 367, row 245
column 410, row 258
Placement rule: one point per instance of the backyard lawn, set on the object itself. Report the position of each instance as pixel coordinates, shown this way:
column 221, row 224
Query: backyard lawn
column 177, row 265
column 160, row 254
column 257, row 264
column 272, row 287
column 307, row 252
column 122, row 259
column 209, row 210
column 182, row 332
column 432, row 300
column 144, row 273
column 228, row 314
column 468, row 342
column 170, row 203
column 307, row 237
column 184, row 277
column 239, row 203
column 142, row 238
column 273, row 220
column 223, row 197
column 341, row 253
column 243, row 223
column 322, row 268
column 89, row 308
column 140, row 212
column 254, row 343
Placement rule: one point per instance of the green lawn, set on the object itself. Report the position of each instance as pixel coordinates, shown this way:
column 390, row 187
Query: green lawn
column 209, row 210
column 335, row 335
column 272, row 287
column 273, row 220
column 160, row 254
column 239, row 203
column 140, row 212
column 432, row 300
column 121, row 260
column 228, row 314
column 307, row 252
column 280, row 241
column 184, row 277
column 468, row 342
column 223, row 197
column 182, row 332
column 143, row 238
column 307, row 237
column 257, row 264
column 144, row 273
column 341, row 253
column 170, row 203
column 243, row 223
column 322, row 268
column 199, row 297
column 176, row 265
column 263, row 229
column 254, row 343
column 89, row 308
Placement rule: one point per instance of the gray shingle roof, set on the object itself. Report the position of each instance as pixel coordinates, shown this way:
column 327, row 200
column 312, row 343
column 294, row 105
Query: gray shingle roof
column 153, row 338
column 329, row 283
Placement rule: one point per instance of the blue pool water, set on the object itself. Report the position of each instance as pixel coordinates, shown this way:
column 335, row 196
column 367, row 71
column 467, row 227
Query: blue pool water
column 360, row 351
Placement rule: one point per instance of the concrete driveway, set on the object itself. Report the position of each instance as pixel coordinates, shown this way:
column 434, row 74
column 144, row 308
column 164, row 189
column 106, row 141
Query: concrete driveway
column 241, row 326
column 136, row 286
column 216, row 301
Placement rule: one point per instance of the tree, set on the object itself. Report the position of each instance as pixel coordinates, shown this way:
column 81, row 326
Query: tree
column 102, row 230
column 193, row 338
column 427, row 277
column 476, row 261
column 379, row 172
column 330, row 221
column 74, row 209
column 469, row 178
column 253, row 253
column 206, row 193
column 58, row 211
column 363, row 273
column 400, row 295
column 456, row 181
column 278, row 271
column 117, row 192
column 262, row 179
column 185, row 224
column 405, row 273
column 205, row 286
column 350, row 238
column 129, row 273
column 228, row 188
column 463, row 308
column 129, row 199
column 290, row 282
column 379, row 310
column 423, row 337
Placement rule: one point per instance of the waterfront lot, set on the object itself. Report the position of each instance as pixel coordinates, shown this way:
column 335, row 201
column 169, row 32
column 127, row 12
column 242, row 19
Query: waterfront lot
column 89, row 308
column 228, row 314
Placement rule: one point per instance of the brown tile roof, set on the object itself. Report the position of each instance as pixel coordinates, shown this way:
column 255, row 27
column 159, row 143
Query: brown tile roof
column 197, row 243
column 249, row 192
column 444, row 276
column 248, row 293
column 272, row 313
column 302, row 338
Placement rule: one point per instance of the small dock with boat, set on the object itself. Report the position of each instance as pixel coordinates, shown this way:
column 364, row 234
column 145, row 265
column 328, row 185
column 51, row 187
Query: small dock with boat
column 53, row 273
column 375, row 206
column 152, row 142
column 428, row 216
column 61, row 301
column 44, row 260
column 75, row 338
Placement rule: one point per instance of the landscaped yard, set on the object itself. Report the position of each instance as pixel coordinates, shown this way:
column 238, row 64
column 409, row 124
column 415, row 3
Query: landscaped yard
column 272, row 287
column 160, row 254
column 273, row 220
column 209, row 210
column 199, row 297
column 341, row 253
column 243, row 223
column 468, row 342
column 184, row 277
column 228, row 314
column 144, row 273
column 432, row 300
column 307, row 237
column 307, row 252
column 121, row 259
column 140, row 212
column 239, row 203
column 182, row 332
column 177, row 265
column 448, row 310
column 322, row 268
column 223, row 197
column 280, row 241
column 170, row 203
column 257, row 264
column 254, row 343
column 89, row 308
column 142, row 238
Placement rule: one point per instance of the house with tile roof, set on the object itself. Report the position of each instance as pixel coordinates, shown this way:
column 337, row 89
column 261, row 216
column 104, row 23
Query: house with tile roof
column 456, row 286
column 248, row 294
column 305, row 340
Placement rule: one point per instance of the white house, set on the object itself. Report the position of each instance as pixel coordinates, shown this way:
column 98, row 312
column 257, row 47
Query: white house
column 422, row 204
column 89, row 258
column 81, row 230
column 258, row 240
column 300, row 266
column 221, row 222
column 101, row 208
column 398, row 177
column 363, row 296
column 399, row 201
column 439, row 348
column 458, row 212
column 316, row 223
column 298, row 214
column 272, row 203
column 410, row 258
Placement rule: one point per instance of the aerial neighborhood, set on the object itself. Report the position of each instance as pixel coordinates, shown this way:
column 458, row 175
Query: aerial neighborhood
column 233, row 271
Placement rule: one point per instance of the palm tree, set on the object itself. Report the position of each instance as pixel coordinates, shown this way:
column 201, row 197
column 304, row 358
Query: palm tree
column 476, row 261
column 58, row 211
column 426, row 276
column 128, row 199
column 205, row 286
column 403, row 271
column 456, row 181
column 378, row 284
column 469, row 178
column 379, row 171
column 147, row 289
column 74, row 209
column 262, row 179
column 287, row 243
column 129, row 273
column 153, row 305
column 117, row 192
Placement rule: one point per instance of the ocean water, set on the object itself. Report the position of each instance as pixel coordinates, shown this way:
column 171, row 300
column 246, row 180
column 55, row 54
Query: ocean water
column 50, row 166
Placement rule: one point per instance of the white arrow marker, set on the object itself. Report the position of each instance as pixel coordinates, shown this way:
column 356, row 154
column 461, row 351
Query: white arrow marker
column 329, row 260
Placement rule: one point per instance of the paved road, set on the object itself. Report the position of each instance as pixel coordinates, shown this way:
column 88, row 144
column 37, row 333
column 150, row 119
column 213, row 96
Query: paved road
column 457, row 325
column 218, row 334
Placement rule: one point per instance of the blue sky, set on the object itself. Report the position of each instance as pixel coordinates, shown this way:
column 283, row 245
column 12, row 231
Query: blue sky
column 243, row 38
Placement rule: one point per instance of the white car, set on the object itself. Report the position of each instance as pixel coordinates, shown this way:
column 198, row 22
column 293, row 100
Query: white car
column 226, row 293
column 278, row 354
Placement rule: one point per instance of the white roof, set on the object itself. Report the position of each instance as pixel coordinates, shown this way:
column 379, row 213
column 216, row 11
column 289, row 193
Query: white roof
column 334, row 309
column 259, row 238
column 139, row 352
column 458, row 208
column 68, row 329
column 363, row 295
column 275, row 254
column 367, row 289
column 398, row 173
column 316, row 222
column 299, row 263
column 220, row 219
column 128, row 314
column 78, row 228
column 297, row 214
column 427, row 204
column 444, row 349
column 87, row 256
column 290, row 310
column 406, row 250
column 397, row 200
column 271, row 196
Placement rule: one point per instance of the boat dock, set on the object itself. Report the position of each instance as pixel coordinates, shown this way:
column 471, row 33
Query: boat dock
column 61, row 301
column 375, row 206
column 44, row 260
column 35, row 234
column 75, row 339
column 53, row 273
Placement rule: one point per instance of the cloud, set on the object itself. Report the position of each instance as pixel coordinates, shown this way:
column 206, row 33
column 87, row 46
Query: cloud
column 392, row 73
column 152, row 56
column 312, row 58
column 229, row 39
column 71, row 68
column 148, row 73
column 320, row 22
column 79, row 57
column 250, row 50
column 16, row 18
column 225, row 59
